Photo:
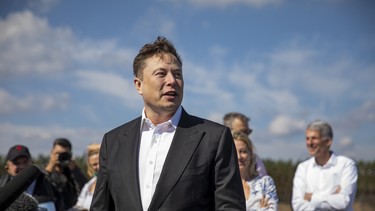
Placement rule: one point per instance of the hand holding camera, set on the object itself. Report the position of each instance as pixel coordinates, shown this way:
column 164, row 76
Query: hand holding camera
column 60, row 159
column 64, row 158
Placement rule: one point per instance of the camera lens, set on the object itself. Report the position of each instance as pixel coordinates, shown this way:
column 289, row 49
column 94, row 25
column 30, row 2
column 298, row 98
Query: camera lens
column 64, row 157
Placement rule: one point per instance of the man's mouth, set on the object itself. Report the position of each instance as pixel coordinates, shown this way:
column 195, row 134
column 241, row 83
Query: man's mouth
column 171, row 93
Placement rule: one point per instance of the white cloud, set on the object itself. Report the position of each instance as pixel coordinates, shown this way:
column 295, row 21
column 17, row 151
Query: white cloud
column 201, row 84
column 28, row 45
column 152, row 23
column 112, row 84
column 281, row 149
column 39, row 139
column 11, row 103
column 218, row 51
column 285, row 125
column 42, row 6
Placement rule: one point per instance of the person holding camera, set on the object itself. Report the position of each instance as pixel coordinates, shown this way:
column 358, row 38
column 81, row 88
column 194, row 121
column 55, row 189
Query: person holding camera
column 46, row 196
column 63, row 172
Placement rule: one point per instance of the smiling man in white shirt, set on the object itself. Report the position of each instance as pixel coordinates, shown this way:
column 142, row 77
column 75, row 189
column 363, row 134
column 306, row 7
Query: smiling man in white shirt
column 326, row 181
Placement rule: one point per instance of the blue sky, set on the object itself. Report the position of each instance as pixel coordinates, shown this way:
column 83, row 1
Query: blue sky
column 66, row 68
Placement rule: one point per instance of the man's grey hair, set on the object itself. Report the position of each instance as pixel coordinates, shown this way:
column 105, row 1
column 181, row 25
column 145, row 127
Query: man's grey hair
column 323, row 127
column 229, row 117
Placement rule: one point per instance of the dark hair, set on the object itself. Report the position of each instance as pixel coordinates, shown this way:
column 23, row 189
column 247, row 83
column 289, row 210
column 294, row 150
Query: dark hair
column 160, row 47
column 63, row 142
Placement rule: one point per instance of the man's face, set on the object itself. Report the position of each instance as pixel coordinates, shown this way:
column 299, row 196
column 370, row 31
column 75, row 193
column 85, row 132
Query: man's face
column 239, row 125
column 316, row 146
column 57, row 150
column 17, row 165
column 162, row 84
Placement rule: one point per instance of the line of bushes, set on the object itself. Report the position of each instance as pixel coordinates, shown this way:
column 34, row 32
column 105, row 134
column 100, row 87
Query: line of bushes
column 281, row 171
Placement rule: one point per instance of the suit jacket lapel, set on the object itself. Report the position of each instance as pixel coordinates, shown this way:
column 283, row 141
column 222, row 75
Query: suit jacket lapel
column 129, row 149
column 185, row 141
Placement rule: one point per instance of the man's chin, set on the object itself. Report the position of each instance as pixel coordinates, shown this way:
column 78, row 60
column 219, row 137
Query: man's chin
column 312, row 153
column 171, row 106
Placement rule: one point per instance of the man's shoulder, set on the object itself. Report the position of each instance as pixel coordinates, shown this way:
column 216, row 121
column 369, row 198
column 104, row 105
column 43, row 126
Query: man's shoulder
column 345, row 159
column 4, row 179
column 305, row 163
column 127, row 125
column 187, row 119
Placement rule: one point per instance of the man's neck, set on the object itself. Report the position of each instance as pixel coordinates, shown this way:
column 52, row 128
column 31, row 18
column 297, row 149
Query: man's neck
column 157, row 118
column 323, row 159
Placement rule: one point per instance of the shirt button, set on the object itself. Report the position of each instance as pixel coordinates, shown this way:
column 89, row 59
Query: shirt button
column 147, row 186
column 150, row 162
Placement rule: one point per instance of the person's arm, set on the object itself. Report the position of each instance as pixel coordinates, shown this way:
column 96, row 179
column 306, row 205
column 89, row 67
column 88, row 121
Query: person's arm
column 229, row 193
column 102, row 199
column 270, row 195
column 53, row 160
column 299, row 189
column 342, row 196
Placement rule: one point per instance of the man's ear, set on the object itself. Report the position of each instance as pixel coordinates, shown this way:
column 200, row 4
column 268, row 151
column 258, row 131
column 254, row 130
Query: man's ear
column 138, row 85
column 6, row 167
column 329, row 143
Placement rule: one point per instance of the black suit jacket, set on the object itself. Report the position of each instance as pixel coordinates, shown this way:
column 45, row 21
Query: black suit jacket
column 43, row 190
column 200, row 171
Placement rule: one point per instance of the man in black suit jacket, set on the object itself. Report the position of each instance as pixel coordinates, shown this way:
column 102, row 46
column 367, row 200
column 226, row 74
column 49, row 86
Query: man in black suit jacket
column 166, row 159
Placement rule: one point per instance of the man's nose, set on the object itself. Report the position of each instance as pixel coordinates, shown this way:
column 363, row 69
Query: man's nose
column 170, row 78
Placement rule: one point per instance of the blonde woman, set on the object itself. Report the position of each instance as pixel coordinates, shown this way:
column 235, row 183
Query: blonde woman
column 260, row 191
column 85, row 197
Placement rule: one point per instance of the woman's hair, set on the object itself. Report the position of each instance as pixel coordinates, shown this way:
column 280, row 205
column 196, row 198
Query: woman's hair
column 92, row 149
column 241, row 136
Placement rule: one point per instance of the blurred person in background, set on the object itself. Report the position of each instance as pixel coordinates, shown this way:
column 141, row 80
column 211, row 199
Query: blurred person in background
column 85, row 197
column 260, row 191
column 239, row 122
column 17, row 159
column 63, row 172
column 326, row 181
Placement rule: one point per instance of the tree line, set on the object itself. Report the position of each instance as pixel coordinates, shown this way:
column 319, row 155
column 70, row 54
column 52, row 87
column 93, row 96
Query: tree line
column 280, row 170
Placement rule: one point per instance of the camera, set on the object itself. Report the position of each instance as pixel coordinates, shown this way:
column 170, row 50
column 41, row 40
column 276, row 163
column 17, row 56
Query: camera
column 64, row 158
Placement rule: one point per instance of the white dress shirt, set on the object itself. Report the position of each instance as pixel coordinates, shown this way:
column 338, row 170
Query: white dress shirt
column 322, row 182
column 154, row 147
column 85, row 196
column 261, row 168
